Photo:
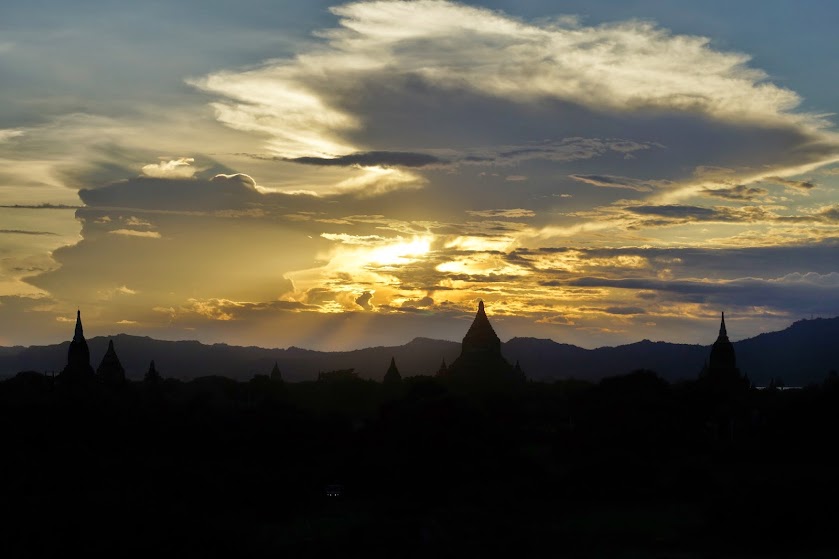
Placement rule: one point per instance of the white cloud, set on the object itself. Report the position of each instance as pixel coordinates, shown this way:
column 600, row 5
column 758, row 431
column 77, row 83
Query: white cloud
column 372, row 181
column 9, row 133
column 180, row 168
column 134, row 233
column 302, row 103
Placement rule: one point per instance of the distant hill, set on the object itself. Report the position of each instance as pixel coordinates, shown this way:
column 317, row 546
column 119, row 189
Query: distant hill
column 190, row 359
column 803, row 353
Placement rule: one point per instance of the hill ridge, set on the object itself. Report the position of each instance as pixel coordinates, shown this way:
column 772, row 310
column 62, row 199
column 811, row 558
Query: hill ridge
column 803, row 352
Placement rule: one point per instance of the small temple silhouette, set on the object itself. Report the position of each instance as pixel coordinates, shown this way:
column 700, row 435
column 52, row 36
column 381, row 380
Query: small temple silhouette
column 443, row 369
column 110, row 370
column 152, row 377
column 78, row 369
column 276, row 375
column 480, row 359
column 392, row 375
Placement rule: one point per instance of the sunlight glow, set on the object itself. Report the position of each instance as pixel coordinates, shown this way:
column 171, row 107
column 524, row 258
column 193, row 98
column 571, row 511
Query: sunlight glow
column 401, row 252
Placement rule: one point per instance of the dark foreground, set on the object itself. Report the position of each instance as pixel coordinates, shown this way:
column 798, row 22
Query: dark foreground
column 631, row 467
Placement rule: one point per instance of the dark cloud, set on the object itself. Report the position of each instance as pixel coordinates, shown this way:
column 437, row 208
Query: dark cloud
column 418, row 303
column 803, row 185
column 829, row 214
column 706, row 262
column 801, row 293
column 22, row 232
column 515, row 213
column 619, row 311
column 610, row 181
column 679, row 212
column 676, row 214
column 173, row 194
column 318, row 295
column 563, row 150
column 363, row 301
column 739, row 192
column 374, row 158
column 624, row 310
column 41, row 207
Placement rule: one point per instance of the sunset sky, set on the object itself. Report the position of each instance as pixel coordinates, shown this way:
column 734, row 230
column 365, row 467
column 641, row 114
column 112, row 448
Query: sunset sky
column 334, row 176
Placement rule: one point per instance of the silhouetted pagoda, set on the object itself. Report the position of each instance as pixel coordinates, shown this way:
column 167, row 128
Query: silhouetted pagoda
column 152, row 377
column 78, row 369
column 110, row 370
column 276, row 375
column 721, row 367
column 392, row 375
column 443, row 370
column 480, row 359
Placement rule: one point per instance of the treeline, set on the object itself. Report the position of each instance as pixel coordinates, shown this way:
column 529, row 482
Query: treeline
column 422, row 467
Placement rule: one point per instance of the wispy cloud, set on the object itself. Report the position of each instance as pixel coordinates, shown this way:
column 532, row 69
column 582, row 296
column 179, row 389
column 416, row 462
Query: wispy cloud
column 23, row 232
column 515, row 213
column 796, row 184
column 136, row 233
column 738, row 192
column 180, row 168
column 609, row 181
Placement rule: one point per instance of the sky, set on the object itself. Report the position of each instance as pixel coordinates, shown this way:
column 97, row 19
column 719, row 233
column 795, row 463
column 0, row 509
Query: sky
column 335, row 176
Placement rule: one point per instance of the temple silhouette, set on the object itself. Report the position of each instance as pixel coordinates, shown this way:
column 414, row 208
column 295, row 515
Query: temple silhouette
column 721, row 367
column 78, row 369
column 480, row 359
column 392, row 375
column 110, row 371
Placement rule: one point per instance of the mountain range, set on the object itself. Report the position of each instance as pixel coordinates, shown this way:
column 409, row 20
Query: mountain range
column 803, row 353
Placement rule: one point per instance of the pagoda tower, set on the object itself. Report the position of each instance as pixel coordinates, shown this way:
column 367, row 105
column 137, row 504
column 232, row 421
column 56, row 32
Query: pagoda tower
column 480, row 359
column 722, row 363
column 110, row 370
column 392, row 375
column 276, row 375
column 78, row 369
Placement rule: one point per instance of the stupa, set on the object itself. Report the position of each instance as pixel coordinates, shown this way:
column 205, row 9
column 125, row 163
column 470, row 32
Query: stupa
column 480, row 359
column 721, row 367
column 78, row 369
column 392, row 375
column 110, row 370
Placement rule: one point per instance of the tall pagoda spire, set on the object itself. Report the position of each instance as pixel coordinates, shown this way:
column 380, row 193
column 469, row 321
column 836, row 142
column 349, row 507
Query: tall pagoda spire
column 392, row 375
column 78, row 336
column 78, row 369
column 723, row 334
column 722, row 363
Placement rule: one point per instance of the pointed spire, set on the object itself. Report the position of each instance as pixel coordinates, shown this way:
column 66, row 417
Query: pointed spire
column 723, row 333
column 152, row 376
column 110, row 370
column 481, row 336
column 392, row 374
column 79, row 334
column 443, row 369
